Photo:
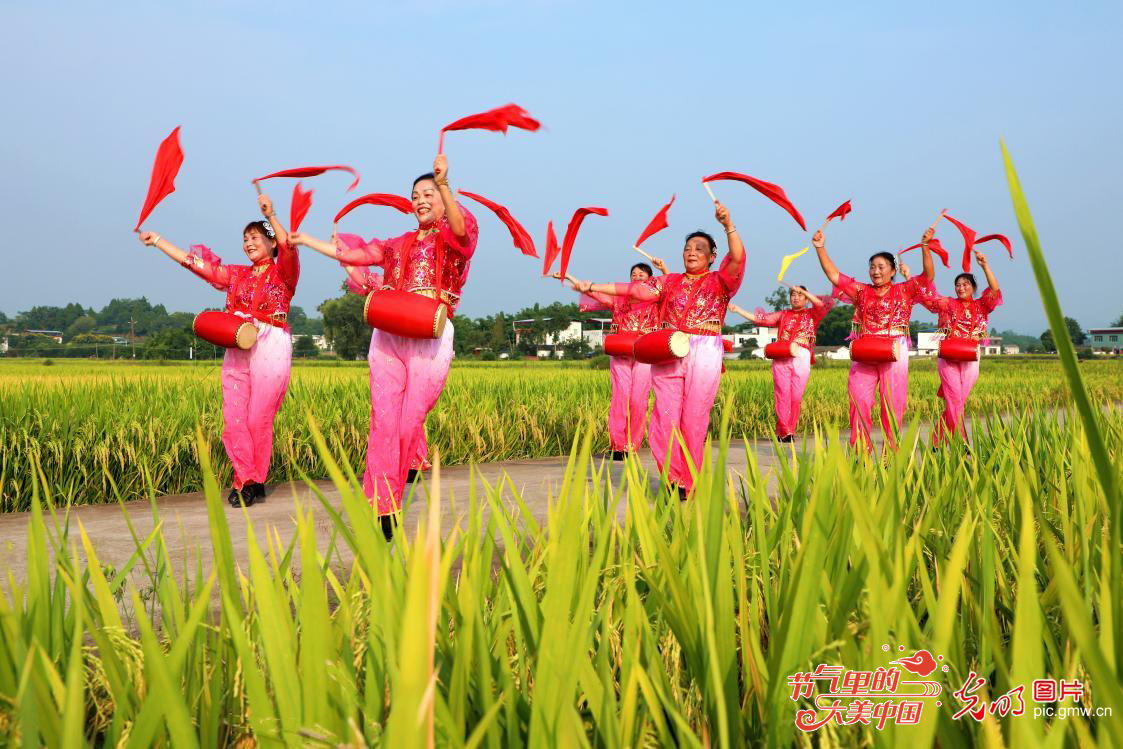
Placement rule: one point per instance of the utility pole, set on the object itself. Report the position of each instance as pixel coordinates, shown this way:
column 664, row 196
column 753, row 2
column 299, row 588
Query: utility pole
column 132, row 334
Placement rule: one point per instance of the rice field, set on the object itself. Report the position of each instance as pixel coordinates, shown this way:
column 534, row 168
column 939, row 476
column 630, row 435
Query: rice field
column 92, row 426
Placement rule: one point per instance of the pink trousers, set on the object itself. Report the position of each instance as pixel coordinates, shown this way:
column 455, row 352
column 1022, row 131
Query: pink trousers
column 891, row 381
column 253, row 385
column 957, row 378
column 684, row 396
column 420, row 461
column 789, row 380
column 627, row 416
column 407, row 376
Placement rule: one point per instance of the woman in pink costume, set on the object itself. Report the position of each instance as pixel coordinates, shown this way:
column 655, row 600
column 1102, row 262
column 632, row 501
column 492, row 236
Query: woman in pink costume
column 408, row 374
column 881, row 308
column 361, row 281
column 789, row 376
column 694, row 302
column 961, row 316
column 631, row 380
column 254, row 381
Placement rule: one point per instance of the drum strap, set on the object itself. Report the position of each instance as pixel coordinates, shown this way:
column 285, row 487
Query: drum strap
column 403, row 261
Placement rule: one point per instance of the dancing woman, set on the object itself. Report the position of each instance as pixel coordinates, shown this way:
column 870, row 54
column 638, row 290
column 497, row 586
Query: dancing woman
column 695, row 303
column 409, row 374
column 254, row 381
column 631, row 379
column 961, row 316
column 881, row 308
column 361, row 280
column 789, row 375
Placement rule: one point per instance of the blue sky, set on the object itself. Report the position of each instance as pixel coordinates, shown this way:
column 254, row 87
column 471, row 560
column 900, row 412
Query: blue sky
column 897, row 106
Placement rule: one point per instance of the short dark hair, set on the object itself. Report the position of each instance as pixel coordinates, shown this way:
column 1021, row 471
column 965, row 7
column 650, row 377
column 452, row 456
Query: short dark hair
column 888, row 257
column 264, row 230
column 423, row 177
column 801, row 287
column 709, row 240
column 970, row 279
column 644, row 267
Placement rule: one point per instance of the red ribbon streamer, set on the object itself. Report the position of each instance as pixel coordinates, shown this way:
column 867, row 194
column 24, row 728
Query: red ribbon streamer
column 935, row 246
column 840, row 212
column 312, row 171
column 522, row 238
column 169, row 157
column 968, row 240
column 552, row 248
column 571, row 233
column 496, row 120
column 1000, row 238
column 301, row 202
column 775, row 193
column 377, row 198
column 658, row 224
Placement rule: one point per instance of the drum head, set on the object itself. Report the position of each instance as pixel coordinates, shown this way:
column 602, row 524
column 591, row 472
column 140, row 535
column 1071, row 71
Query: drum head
column 439, row 321
column 679, row 344
column 246, row 336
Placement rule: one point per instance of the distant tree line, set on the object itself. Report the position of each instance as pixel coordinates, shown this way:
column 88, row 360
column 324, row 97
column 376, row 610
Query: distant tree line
column 167, row 335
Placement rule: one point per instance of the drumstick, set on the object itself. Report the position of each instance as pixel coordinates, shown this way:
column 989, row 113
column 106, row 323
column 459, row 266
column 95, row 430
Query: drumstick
column 711, row 192
column 637, row 249
column 933, row 226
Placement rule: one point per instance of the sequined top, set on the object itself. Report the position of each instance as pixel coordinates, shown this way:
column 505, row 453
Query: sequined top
column 959, row 319
column 261, row 291
column 628, row 315
column 418, row 271
column 796, row 325
column 881, row 314
column 707, row 295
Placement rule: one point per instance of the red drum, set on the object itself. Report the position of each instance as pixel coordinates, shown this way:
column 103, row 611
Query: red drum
column 783, row 350
column 225, row 329
column 405, row 313
column 959, row 349
column 876, row 349
column 727, row 345
column 662, row 346
column 620, row 344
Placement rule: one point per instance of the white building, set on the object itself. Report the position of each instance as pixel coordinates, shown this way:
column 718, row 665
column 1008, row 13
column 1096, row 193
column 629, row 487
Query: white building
column 591, row 331
column 754, row 339
column 1105, row 340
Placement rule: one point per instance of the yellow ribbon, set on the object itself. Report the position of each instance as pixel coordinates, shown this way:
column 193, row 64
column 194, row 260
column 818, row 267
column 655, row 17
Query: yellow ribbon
column 788, row 261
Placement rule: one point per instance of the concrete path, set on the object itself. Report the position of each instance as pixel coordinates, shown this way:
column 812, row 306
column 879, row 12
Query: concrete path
column 186, row 529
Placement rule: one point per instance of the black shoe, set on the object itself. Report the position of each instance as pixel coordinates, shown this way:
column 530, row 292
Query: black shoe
column 238, row 497
column 787, row 438
column 257, row 489
column 388, row 524
column 619, row 455
column 411, row 476
column 682, row 494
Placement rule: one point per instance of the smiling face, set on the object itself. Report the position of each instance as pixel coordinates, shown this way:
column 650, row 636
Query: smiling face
column 427, row 204
column 964, row 289
column 697, row 255
column 257, row 246
column 881, row 271
column 798, row 299
column 639, row 274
